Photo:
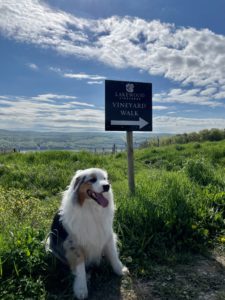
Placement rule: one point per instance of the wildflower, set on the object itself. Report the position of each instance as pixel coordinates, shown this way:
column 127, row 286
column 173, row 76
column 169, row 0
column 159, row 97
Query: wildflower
column 221, row 239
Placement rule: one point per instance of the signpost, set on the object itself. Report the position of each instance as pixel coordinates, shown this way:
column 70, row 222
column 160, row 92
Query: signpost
column 128, row 107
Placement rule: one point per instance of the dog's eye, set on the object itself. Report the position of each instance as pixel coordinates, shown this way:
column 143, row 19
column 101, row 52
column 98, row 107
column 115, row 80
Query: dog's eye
column 93, row 180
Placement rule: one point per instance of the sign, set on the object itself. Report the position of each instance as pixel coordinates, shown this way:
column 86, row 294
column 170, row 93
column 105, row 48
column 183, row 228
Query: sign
column 128, row 106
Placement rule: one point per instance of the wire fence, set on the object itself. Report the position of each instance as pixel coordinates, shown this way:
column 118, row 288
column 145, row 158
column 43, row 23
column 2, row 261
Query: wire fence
column 94, row 149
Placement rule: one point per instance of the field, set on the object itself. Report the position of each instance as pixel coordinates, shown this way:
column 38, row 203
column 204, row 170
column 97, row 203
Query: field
column 171, row 232
column 92, row 141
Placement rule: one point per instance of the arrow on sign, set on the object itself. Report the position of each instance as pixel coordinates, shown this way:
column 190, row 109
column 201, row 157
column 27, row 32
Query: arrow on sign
column 141, row 123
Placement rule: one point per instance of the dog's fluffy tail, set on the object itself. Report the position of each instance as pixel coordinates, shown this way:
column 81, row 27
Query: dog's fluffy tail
column 56, row 251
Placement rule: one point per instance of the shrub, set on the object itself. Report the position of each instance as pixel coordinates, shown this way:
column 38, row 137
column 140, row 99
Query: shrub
column 25, row 267
column 200, row 171
column 179, row 147
column 217, row 155
column 196, row 145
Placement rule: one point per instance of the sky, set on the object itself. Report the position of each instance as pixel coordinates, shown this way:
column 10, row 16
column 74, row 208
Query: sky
column 55, row 56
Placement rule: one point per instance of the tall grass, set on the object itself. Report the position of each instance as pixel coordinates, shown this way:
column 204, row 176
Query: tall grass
column 179, row 206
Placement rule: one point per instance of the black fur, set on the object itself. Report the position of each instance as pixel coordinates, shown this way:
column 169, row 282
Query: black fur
column 57, row 237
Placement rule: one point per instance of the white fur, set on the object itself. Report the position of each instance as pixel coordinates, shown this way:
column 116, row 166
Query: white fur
column 80, row 284
column 90, row 225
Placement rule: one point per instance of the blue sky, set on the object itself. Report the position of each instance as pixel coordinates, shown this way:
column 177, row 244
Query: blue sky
column 55, row 56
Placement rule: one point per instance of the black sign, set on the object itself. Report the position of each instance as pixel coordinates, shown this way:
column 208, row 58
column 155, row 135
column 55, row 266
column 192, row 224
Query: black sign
column 128, row 106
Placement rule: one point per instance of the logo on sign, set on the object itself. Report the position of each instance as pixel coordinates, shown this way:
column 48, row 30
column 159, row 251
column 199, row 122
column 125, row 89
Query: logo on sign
column 130, row 87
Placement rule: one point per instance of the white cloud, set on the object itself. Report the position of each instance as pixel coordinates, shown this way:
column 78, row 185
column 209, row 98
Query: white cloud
column 82, row 104
column 49, row 112
column 159, row 107
column 84, row 76
column 197, row 96
column 33, row 66
column 92, row 79
column 208, row 91
column 186, row 55
column 181, row 125
column 52, row 97
column 56, row 70
column 95, row 82
column 220, row 95
column 52, row 112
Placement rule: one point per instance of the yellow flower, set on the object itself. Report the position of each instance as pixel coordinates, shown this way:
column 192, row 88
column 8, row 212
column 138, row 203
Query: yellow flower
column 222, row 239
column 18, row 242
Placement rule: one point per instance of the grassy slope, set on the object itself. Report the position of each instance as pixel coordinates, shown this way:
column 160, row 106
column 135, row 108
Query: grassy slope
column 179, row 207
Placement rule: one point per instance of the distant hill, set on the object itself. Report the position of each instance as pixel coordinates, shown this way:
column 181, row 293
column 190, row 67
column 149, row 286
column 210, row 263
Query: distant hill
column 30, row 140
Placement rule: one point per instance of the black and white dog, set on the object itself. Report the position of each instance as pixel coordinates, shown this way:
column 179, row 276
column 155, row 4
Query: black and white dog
column 82, row 231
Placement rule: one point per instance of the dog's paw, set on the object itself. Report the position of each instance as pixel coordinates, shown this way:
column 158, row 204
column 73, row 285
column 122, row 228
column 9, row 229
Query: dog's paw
column 121, row 270
column 125, row 271
column 80, row 290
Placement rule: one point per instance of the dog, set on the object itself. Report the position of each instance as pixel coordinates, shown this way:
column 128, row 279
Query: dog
column 82, row 229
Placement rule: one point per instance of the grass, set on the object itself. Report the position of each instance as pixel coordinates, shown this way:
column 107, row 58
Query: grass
column 178, row 209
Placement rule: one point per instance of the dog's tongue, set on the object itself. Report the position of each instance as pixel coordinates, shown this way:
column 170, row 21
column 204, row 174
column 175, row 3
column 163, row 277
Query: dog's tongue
column 99, row 198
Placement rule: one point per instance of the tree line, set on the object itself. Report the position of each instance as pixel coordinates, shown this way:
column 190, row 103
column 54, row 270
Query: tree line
column 213, row 134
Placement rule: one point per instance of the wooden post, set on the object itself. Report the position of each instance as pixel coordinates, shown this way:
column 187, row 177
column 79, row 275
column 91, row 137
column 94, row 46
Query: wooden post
column 130, row 158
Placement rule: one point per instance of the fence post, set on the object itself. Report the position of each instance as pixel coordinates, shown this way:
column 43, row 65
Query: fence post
column 114, row 149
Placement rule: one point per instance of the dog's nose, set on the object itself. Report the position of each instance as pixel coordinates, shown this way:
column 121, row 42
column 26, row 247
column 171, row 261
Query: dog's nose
column 106, row 187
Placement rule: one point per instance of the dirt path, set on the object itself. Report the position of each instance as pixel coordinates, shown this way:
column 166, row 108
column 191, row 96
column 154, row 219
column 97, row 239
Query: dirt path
column 202, row 279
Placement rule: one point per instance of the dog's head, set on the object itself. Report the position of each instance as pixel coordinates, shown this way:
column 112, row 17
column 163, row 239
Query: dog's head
column 91, row 185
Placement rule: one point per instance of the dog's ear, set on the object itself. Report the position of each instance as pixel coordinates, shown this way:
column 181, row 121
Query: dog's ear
column 78, row 181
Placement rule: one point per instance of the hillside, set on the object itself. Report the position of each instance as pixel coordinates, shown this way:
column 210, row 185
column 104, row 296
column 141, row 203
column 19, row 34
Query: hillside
column 171, row 232
column 30, row 140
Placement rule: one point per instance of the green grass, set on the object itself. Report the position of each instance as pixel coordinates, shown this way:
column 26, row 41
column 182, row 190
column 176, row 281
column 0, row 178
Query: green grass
column 178, row 207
